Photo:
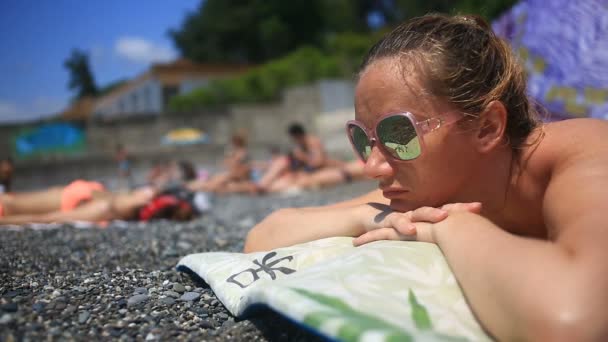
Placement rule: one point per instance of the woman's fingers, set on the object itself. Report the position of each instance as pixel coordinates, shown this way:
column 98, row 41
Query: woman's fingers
column 381, row 234
column 428, row 214
column 402, row 223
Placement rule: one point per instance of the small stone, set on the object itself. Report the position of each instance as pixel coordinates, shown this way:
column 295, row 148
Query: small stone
column 115, row 332
column 205, row 324
column 6, row 318
column 60, row 305
column 123, row 311
column 69, row 310
column 171, row 294
column 38, row 307
column 137, row 299
column 80, row 288
column 56, row 293
column 150, row 337
column 165, row 283
column 198, row 289
column 141, row 290
column 177, row 287
column 83, row 317
column 122, row 303
column 188, row 288
column 9, row 307
column 190, row 296
column 12, row 293
column 167, row 301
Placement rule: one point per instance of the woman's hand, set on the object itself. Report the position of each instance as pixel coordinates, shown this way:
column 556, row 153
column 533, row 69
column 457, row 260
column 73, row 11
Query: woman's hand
column 415, row 225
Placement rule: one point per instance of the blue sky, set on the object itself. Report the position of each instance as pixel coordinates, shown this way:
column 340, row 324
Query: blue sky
column 121, row 37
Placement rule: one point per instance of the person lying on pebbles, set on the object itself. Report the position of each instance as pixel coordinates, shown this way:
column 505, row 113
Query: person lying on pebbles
column 89, row 201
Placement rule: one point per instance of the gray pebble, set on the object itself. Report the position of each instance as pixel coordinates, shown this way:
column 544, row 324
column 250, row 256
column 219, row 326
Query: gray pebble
column 177, row 287
column 205, row 324
column 167, row 301
column 6, row 318
column 190, row 296
column 140, row 290
column 9, row 307
column 171, row 294
column 137, row 299
column 83, row 317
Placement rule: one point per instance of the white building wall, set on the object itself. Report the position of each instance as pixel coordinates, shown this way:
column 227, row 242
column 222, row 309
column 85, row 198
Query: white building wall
column 146, row 98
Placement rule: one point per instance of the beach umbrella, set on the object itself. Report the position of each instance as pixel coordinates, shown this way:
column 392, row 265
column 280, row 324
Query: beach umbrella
column 184, row 136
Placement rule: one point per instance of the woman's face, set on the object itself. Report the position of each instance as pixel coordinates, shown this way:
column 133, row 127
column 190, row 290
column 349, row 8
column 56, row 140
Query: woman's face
column 445, row 166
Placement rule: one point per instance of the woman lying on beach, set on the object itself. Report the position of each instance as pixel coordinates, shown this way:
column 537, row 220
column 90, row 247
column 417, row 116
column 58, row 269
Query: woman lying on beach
column 89, row 201
column 444, row 125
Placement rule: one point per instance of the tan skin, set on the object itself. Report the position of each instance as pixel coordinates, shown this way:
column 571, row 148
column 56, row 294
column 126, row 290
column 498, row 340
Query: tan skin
column 309, row 151
column 237, row 170
column 45, row 206
column 531, row 259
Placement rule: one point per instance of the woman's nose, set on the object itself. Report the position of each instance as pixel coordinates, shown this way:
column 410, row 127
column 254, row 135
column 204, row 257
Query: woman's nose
column 376, row 165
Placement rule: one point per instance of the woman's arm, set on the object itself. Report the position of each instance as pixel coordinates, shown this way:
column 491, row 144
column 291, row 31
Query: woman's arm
column 523, row 288
column 290, row 226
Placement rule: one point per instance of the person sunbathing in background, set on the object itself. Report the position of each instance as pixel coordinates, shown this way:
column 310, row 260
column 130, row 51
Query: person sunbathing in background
column 307, row 158
column 7, row 169
column 236, row 164
column 444, row 124
column 90, row 201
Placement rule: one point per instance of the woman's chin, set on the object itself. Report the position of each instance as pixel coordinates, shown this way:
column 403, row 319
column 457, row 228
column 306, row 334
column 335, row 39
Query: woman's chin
column 401, row 205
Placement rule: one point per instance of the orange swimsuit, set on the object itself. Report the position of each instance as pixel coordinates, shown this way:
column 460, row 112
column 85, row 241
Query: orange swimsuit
column 77, row 192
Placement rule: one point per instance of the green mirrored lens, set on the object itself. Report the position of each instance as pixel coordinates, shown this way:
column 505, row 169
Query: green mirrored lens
column 398, row 135
column 360, row 141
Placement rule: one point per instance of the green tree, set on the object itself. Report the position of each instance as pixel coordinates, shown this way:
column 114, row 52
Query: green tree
column 259, row 30
column 81, row 77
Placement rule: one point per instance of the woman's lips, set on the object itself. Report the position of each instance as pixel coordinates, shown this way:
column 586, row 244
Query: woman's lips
column 393, row 193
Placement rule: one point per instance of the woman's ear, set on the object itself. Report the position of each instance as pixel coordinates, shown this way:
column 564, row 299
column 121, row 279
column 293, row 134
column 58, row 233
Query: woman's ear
column 492, row 126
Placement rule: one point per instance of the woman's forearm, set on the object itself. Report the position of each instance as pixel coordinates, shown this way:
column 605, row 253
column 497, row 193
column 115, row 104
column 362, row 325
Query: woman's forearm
column 291, row 226
column 520, row 288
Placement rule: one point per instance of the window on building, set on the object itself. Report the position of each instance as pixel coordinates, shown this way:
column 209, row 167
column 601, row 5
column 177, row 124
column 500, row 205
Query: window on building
column 147, row 104
column 168, row 93
column 134, row 106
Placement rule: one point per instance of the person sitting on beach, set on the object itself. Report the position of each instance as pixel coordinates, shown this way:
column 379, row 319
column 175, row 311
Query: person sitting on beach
column 236, row 164
column 7, row 168
column 89, row 201
column 294, row 170
column 170, row 173
column 444, row 124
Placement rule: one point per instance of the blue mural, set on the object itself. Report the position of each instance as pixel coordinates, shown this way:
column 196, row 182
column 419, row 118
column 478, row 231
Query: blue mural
column 564, row 46
column 53, row 137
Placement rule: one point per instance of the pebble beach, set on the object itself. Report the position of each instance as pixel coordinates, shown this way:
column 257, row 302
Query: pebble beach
column 119, row 283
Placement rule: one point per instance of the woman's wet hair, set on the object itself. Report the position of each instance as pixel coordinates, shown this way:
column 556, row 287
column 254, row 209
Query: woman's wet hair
column 460, row 59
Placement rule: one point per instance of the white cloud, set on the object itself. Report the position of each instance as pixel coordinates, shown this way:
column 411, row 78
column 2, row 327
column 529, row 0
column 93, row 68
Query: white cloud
column 38, row 108
column 7, row 109
column 140, row 50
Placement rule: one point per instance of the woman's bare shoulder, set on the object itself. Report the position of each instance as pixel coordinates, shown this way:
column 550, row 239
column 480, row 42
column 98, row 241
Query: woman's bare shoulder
column 560, row 143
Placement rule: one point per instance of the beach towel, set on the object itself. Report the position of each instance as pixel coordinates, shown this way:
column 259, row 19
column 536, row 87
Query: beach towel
column 382, row 291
